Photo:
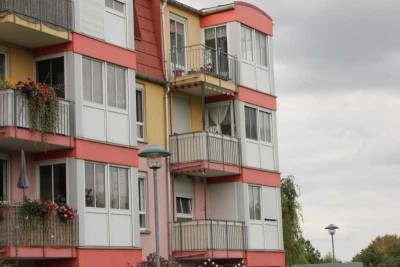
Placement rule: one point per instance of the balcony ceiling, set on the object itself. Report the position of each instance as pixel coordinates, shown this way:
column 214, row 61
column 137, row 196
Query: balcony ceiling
column 31, row 35
column 27, row 145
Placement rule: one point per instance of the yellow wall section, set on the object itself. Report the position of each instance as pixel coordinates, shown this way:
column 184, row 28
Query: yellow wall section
column 154, row 113
column 20, row 62
column 193, row 30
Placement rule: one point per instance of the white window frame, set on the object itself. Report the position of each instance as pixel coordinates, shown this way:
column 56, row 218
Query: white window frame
column 140, row 87
column 116, row 108
column 103, row 86
column 94, row 185
column 251, row 186
column 231, row 110
column 6, row 183
column 119, row 187
column 184, row 22
column 242, row 26
column 258, row 110
column 47, row 163
column 184, row 215
column 143, row 176
column 4, row 51
column 254, row 48
column 266, row 49
column 113, row 10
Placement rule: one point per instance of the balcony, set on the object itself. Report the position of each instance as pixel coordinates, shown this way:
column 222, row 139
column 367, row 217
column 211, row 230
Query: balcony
column 205, row 154
column 15, row 124
column 26, row 236
column 204, row 239
column 36, row 23
column 195, row 66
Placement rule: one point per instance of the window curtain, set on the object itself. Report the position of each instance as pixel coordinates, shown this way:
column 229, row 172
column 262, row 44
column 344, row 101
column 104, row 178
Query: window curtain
column 217, row 114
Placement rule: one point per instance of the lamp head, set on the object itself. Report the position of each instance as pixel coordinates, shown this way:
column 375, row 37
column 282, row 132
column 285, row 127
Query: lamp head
column 331, row 229
column 154, row 155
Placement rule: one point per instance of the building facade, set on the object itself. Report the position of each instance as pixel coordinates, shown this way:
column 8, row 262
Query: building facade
column 131, row 74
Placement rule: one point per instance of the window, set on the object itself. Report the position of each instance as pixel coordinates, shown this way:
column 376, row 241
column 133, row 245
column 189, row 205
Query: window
column 184, row 208
column 216, row 42
column 265, row 126
column 261, row 49
column 3, row 179
column 119, row 188
column 247, row 43
column 255, row 202
column 142, row 201
column 3, row 65
column 116, row 87
column 92, row 81
column 95, row 193
column 220, row 119
column 53, row 183
column 115, row 5
column 177, row 38
column 250, row 115
column 140, row 111
column 51, row 72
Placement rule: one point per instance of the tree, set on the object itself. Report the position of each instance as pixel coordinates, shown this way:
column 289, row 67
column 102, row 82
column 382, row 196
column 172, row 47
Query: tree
column 151, row 262
column 383, row 251
column 312, row 254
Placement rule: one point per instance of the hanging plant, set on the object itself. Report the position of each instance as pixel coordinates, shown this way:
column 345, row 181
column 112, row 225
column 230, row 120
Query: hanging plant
column 43, row 105
column 66, row 213
column 38, row 208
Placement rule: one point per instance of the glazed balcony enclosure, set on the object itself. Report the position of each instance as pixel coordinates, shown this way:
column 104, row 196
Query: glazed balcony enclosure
column 36, row 23
column 29, row 236
column 199, row 67
column 203, row 239
column 15, row 124
column 205, row 154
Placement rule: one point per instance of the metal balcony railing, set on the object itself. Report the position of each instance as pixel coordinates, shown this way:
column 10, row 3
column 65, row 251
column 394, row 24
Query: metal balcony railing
column 54, row 13
column 14, row 111
column 17, row 228
column 205, row 146
column 202, row 59
column 209, row 235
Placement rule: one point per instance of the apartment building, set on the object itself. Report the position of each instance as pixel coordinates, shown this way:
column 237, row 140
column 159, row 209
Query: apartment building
column 131, row 74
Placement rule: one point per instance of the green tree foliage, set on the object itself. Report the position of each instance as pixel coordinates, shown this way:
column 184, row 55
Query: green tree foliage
column 383, row 251
column 298, row 250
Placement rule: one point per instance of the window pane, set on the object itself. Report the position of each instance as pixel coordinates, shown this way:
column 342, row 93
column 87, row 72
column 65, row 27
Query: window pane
column 97, row 82
column 142, row 195
column 100, row 186
column 111, row 90
column 57, row 75
column 87, row 79
column 257, row 203
column 60, row 183
column 184, row 205
column 119, row 6
column 249, row 44
column 178, row 205
column 123, row 188
column 251, row 123
column 251, row 203
column 139, row 106
column 89, row 184
column 114, row 199
column 3, row 179
column 142, row 218
column 46, row 182
column 43, row 73
column 261, row 49
column 109, row 3
column 265, row 127
column 121, row 88
column 2, row 66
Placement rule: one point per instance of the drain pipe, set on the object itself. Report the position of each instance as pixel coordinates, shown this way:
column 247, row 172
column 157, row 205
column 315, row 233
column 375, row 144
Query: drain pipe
column 167, row 131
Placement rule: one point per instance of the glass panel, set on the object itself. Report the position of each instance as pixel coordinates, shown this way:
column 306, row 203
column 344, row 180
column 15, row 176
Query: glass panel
column 3, row 179
column 257, row 203
column 111, row 90
column 251, row 202
column 43, row 71
column 2, row 66
column 100, row 185
column 185, row 206
column 179, row 205
column 46, row 182
column 177, row 36
column 57, row 76
column 243, row 33
column 249, row 44
column 251, row 123
column 60, row 183
column 142, row 195
column 109, row 3
column 265, row 127
column 139, row 106
column 97, row 82
column 222, row 46
column 142, row 218
column 89, row 184
column 123, row 188
column 114, row 199
column 261, row 49
column 121, row 88
column 87, row 79
column 119, row 6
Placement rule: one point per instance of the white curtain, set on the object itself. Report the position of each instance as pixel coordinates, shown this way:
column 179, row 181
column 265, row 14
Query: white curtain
column 217, row 115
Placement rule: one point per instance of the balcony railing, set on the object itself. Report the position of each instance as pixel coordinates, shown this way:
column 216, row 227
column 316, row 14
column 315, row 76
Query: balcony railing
column 202, row 59
column 17, row 228
column 205, row 146
column 209, row 235
column 14, row 111
column 54, row 13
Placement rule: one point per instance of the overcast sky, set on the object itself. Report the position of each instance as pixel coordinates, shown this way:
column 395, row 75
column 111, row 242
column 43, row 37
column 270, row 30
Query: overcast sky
column 337, row 66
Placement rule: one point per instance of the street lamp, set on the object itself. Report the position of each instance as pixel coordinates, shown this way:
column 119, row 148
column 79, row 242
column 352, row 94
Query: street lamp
column 332, row 230
column 154, row 155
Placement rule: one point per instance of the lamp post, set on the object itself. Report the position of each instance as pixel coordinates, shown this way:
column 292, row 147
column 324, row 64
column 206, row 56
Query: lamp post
column 332, row 230
column 154, row 155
